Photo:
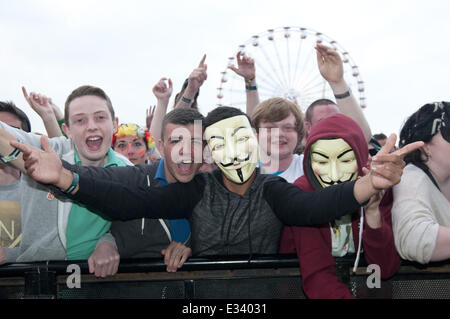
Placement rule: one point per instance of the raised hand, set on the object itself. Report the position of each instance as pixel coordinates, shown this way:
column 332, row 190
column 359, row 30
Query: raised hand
column 39, row 103
column 175, row 255
column 245, row 66
column 385, row 171
column 387, row 167
column 163, row 91
column 330, row 63
column 196, row 78
column 44, row 107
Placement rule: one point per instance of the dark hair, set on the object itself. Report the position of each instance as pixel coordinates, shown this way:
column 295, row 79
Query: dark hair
column 180, row 94
column 309, row 110
column 83, row 91
column 181, row 116
column 222, row 112
column 422, row 126
column 10, row 107
column 380, row 136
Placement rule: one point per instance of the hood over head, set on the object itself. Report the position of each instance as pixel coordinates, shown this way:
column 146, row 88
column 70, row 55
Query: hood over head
column 334, row 127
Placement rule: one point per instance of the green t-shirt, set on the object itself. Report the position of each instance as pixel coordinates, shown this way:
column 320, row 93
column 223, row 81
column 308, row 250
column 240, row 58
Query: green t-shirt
column 85, row 228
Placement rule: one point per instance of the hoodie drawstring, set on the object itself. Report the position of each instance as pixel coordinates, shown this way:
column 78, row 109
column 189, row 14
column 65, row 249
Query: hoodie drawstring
column 249, row 208
column 361, row 225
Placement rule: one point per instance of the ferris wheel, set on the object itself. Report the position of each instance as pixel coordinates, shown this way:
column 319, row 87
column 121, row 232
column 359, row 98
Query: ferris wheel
column 286, row 66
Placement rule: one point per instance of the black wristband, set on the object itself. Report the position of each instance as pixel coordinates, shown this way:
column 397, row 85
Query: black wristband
column 343, row 95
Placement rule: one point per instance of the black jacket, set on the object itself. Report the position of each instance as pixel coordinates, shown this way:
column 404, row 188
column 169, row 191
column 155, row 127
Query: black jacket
column 222, row 222
column 143, row 237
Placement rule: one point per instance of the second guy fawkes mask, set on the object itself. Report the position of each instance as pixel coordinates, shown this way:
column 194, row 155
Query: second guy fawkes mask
column 333, row 161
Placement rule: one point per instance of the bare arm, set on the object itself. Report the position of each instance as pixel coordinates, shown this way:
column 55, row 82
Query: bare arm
column 295, row 207
column 331, row 68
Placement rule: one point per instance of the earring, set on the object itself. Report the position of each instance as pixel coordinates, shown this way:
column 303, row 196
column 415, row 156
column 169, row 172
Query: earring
column 427, row 156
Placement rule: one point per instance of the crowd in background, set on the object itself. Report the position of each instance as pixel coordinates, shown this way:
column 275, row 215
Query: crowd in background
column 330, row 144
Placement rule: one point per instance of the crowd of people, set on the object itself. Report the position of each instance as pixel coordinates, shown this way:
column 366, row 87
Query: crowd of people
column 270, row 179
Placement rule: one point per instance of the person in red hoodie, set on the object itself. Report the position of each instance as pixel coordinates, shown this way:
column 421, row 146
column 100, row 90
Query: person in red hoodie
column 336, row 151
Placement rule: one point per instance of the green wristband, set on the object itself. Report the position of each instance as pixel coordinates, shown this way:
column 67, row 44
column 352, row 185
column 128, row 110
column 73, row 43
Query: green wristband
column 74, row 184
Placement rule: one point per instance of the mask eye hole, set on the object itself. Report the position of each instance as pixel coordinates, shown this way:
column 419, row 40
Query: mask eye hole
column 242, row 139
column 218, row 147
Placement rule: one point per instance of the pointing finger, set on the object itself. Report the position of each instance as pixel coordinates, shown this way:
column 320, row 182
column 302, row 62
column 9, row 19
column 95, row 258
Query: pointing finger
column 202, row 61
column 25, row 94
column 409, row 148
column 45, row 144
column 390, row 143
column 25, row 149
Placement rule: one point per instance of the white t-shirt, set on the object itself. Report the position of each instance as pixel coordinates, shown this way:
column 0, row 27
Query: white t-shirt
column 294, row 171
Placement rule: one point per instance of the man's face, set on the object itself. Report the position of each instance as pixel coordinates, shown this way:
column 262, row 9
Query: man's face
column 91, row 128
column 132, row 147
column 182, row 150
column 282, row 137
column 10, row 119
column 333, row 162
column 319, row 113
column 233, row 147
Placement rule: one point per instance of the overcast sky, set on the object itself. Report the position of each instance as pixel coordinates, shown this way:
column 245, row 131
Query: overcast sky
column 402, row 48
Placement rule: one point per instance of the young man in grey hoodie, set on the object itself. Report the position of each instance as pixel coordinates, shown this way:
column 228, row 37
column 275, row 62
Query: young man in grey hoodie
column 57, row 230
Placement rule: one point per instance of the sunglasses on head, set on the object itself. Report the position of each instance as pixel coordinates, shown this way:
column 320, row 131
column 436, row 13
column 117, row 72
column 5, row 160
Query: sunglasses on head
column 376, row 147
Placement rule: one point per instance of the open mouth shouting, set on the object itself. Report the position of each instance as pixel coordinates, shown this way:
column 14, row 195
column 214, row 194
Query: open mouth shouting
column 94, row 143
column 185, row 167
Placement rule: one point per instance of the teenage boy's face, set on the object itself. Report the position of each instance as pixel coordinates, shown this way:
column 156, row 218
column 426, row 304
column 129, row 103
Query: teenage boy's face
column 333, row 162
column 91, row 128
column 282, row 137
column 233, row 147
column 182, row 151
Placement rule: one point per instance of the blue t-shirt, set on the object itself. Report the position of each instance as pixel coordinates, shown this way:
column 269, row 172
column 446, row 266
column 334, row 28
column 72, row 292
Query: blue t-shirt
column 180, row 228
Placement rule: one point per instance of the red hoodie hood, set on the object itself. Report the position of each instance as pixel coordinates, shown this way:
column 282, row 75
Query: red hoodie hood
column 335, row 126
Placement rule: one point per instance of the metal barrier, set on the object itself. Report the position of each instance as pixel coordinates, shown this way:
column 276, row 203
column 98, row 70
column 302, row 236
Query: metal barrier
column 262, row 277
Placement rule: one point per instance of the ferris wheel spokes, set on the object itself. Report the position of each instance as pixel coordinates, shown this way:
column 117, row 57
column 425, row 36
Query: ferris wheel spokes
column 286, row 66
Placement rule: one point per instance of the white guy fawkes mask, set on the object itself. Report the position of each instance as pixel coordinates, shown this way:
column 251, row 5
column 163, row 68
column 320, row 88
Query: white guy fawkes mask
column 233, row 147
column 333, row 161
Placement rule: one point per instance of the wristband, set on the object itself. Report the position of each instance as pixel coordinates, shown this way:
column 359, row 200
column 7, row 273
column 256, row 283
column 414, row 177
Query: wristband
column 251, row 87
column 13, row 156
column 186, row 100
column 74, row 184
column 343, row 95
